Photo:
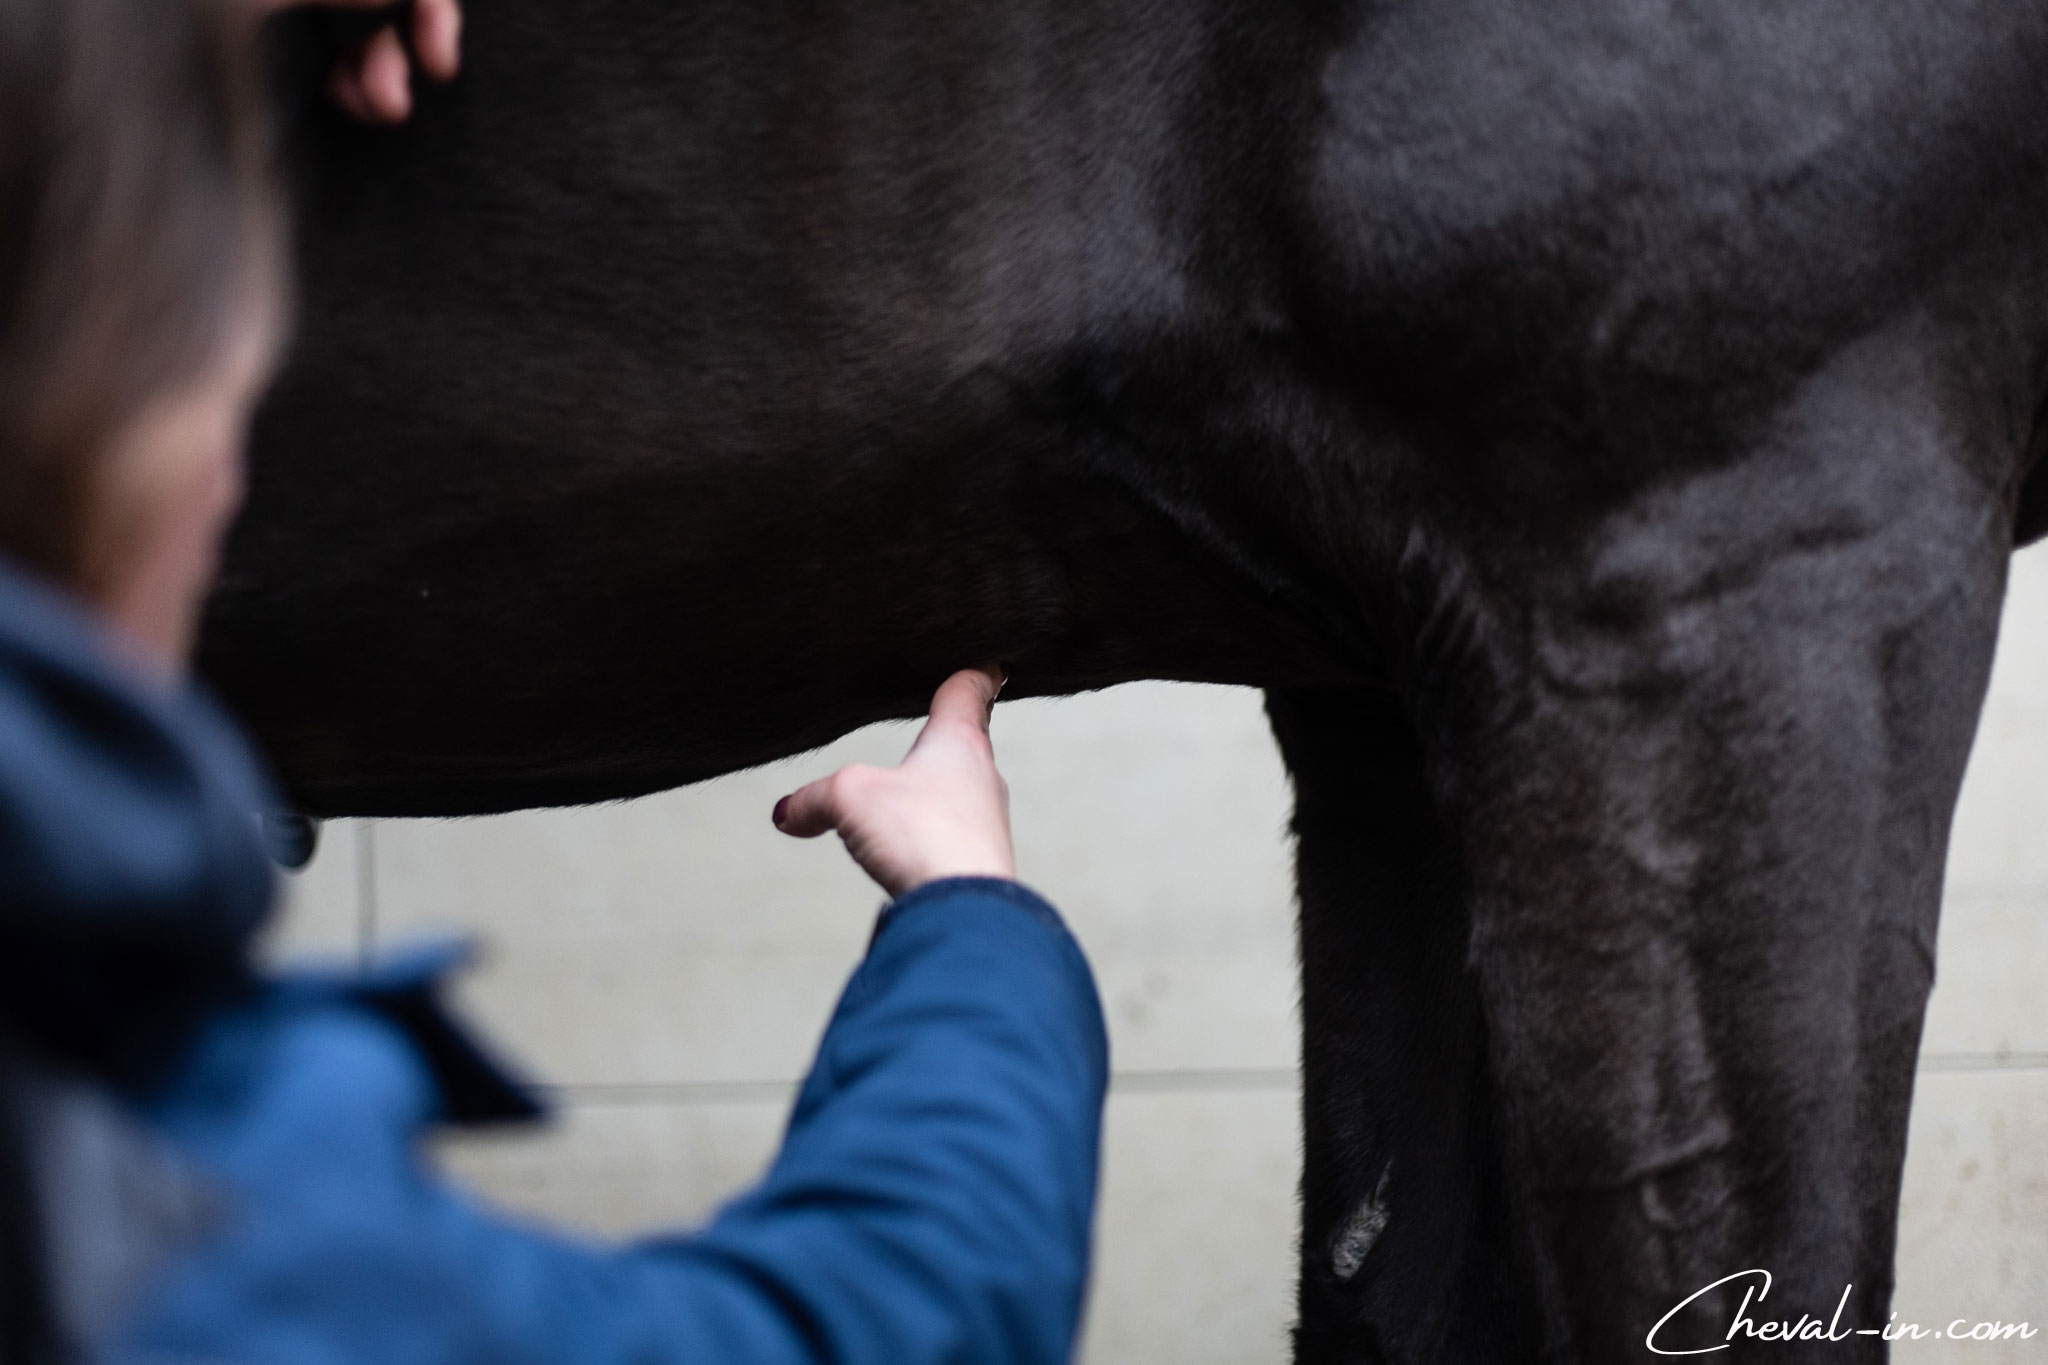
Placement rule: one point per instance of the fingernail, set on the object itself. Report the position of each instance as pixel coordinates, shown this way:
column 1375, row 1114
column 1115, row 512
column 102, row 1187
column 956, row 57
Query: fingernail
column 781, row 812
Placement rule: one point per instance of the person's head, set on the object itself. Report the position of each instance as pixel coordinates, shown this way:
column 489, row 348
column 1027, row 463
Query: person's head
column 141, row 296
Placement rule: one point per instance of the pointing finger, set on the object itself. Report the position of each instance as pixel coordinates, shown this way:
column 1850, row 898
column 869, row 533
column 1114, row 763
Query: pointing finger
column 968, row 697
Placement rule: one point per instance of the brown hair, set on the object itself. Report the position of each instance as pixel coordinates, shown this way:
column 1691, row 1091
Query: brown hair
column 137, row 212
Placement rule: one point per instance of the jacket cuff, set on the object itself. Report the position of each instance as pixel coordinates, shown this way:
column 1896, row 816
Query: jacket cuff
column 980, row 888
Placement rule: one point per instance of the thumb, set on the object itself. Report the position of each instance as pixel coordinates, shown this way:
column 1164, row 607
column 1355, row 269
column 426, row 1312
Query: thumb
column 812, row 809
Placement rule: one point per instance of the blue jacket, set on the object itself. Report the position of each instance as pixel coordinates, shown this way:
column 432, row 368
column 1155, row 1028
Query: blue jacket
column 931, row 1202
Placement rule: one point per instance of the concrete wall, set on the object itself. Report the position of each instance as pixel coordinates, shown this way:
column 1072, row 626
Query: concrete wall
column 665, row 965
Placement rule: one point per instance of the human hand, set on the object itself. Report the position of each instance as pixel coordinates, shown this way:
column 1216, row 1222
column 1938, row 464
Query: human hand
column 943, row 812
column 373, row 80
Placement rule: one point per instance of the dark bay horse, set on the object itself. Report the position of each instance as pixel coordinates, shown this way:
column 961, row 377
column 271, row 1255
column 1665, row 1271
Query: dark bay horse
column 1601, row 426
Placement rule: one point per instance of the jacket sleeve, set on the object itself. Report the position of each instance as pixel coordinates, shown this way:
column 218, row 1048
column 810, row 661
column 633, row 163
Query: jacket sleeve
column 931, row 1203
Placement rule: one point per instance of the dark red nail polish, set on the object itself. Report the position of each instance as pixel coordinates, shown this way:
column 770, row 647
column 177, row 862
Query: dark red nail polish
column 781, row 810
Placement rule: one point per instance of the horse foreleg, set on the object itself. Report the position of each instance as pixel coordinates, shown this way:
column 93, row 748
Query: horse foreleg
column 1404, row 1251
column 1701, row 786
